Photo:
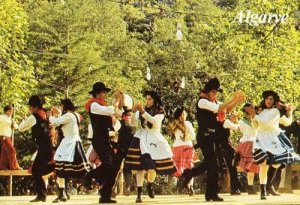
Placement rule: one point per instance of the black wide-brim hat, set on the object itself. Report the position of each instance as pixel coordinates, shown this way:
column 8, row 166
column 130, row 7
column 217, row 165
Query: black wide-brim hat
column 275, row 95
column 99, row 87
column 154, row 95
column 212, row 84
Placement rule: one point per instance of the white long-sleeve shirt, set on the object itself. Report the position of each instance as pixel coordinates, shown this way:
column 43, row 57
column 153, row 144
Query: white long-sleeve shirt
column 249, row 132
column 5, row 125
column 190, row 135
column 69, row 124
column 156, row 120
column 208, row 105
column 27, row 124
column 98, row 109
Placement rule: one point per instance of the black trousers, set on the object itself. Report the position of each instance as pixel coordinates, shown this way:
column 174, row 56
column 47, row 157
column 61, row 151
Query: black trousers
column 274, row 177
column 41, row 166
column 227, row 152
column 104, row 174
column 207, row 146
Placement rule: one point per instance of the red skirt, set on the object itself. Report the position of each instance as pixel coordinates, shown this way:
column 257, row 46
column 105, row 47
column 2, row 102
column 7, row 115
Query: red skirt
column 245, row 149
column 183, row 158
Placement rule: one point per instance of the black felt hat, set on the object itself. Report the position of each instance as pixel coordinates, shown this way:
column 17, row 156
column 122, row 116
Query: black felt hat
column 212, row 84
column 99, row 87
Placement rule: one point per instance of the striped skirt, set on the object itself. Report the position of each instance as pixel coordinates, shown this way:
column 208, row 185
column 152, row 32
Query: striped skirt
column 288, row 157
column 136, row 161
column 76, row 169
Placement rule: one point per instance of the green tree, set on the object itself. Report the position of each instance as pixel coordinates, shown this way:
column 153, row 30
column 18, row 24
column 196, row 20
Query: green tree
column 16, row 72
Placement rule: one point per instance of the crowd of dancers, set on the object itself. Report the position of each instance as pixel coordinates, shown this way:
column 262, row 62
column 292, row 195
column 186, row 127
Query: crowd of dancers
column 142, row 149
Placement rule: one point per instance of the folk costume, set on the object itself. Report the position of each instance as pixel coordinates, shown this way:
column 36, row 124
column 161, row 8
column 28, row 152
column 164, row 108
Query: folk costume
column 207, row 138
column 244, row 149
column 149, row 150
column 43, row 163
column 183, row 148
column 101, row 120
column 70, row 159
column 8, row 156
column 271, row 146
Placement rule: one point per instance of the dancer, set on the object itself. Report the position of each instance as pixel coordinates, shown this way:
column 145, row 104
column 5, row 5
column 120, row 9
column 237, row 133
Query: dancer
column 149, row 151
column 207, row 112
column 8, row 157
column 226, row 153
column 40, row 130
column 182, row 133
column 101, row 120
column 69, row 156
column 245, row 147
column 272, row 147
column 125, row 136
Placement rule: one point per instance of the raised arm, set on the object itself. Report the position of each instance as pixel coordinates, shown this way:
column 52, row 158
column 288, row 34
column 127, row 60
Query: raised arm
column 56, row 121
column 230, row 125
column 102, row 110
column 154, row 120
column 27, row 124
column 269, row 119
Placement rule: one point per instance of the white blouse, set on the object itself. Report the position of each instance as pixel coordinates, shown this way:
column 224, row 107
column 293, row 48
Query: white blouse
column 156, row 120
column 27, row 124
column 269, row 120
column 249, row 132
column 5, row 125
column 190, row 135
column 69, row 124
column 267, row 123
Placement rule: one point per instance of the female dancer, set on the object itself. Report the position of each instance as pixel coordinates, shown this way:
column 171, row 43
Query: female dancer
column 69, row 156
column 43, row 163
column 271, row 147
column 245, row 147
column 183, row 133
column 149, row 151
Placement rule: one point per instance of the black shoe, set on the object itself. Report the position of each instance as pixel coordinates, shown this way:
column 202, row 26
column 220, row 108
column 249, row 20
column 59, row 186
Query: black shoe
column 263, row 192
column 88, row 181
column 138, row 200
column 150, row 191
column 235, row 192
column 106, row 201
column 213, row 198
column 61, row 197
column 38, row 199
column 187, row 177
column 272, row 191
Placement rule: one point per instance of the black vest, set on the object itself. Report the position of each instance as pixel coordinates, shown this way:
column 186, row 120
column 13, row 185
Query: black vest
column 41, row 134
column 126, row 134
column 101, row 125
column 206, row 119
